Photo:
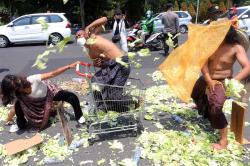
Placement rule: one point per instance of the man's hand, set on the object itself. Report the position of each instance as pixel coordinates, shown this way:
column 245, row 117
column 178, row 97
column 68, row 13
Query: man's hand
column 73, row 65
column 87, row 31
column 211, row 84
column 98, row 62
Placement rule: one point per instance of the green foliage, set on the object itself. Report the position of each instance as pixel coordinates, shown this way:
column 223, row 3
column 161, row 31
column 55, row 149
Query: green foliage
column 203, row 11
column 176, row 6
column 191, row 10
column 184, row 6
column 222, row 7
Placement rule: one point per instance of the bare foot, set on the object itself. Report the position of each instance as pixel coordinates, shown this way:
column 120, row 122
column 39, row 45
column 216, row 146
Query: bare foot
column 221, row 145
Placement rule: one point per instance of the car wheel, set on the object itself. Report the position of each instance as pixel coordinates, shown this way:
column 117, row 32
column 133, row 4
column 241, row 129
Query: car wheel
column 183, row 28
column 55, row 38
column 4, row 42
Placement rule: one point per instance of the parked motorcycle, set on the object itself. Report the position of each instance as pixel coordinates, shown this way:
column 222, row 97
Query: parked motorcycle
column 135, row 43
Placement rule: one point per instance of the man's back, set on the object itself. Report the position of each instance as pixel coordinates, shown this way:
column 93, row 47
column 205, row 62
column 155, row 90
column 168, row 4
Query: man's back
column 170, row 21
column 104, row 47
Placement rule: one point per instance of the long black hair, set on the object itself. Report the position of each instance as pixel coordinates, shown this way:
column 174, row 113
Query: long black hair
column 10, row 86
column 232, row 37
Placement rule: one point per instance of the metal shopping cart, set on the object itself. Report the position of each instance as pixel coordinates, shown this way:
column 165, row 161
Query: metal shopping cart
column 113, row 108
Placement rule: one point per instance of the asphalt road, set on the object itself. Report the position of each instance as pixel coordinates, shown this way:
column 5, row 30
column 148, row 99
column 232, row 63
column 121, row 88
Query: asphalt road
column 18, row 59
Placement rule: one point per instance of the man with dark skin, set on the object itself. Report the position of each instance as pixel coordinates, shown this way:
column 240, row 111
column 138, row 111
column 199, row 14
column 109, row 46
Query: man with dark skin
column 219, row 67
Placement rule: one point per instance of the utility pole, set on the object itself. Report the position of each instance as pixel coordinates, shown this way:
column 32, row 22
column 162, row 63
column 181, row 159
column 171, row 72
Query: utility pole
column 197, row 11
column 82, row 12
column 229, row 4
column 10, row 9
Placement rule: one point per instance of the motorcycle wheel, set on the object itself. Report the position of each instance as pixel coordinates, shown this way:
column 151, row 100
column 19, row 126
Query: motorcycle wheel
column 160, row 45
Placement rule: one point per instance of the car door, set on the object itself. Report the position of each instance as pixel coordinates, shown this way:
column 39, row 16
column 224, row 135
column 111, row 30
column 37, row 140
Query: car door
column 244, row 21
column 158, row 23
column 37, row 32
column 20, row 29
column 182, row 18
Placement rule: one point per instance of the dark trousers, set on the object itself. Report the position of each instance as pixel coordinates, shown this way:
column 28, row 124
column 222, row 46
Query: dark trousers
column 166, row 47
column 210, row 105
column 62, row 95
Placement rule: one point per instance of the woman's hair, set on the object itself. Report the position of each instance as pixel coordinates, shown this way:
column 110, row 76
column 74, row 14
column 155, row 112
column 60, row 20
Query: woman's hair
column 232, row 37
column 10, row 87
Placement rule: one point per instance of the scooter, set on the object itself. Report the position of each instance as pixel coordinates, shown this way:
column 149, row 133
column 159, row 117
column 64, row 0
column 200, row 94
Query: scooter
column 153, row 42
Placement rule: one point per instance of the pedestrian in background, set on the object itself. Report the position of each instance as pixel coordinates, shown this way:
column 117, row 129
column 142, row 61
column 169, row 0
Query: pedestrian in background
column 119, row 31
column 170, row 20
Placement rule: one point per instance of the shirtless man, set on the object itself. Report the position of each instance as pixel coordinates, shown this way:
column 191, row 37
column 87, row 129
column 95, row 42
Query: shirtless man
column 104, row 54
column 219, row 67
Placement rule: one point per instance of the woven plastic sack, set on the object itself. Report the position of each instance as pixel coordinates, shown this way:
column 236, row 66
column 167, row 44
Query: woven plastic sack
column 183, row 66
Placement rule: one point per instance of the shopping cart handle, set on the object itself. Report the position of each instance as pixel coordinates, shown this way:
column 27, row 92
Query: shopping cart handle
column 85, row 64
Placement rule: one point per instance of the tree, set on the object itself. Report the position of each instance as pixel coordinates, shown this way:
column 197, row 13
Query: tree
column 176, row 6
column 82, row 12
column 209, row 4
column 135, row 9
column 203, row 11
column 244, row 2
column 222, row 7
column 191, row 10
column 184, row 6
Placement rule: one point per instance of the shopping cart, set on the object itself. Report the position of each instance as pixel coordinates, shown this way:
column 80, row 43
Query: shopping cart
column 113, row 108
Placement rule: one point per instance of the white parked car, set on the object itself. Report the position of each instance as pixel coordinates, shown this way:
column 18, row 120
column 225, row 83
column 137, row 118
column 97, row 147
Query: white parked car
column 184, row 19
column 243, row 14
column 27, row 29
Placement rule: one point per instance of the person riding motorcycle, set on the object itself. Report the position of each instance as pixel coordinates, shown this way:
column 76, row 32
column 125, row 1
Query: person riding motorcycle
column 147, row 26
column 232, row 15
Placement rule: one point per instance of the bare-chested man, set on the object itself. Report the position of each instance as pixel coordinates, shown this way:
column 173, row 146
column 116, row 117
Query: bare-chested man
column 219, row 67
column 104, row 54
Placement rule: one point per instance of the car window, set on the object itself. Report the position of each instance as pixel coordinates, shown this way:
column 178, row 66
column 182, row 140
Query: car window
column 22, row 21
column 55, row 18
column 181, row 14
column 239, row 12
column 247, row 14
column 34, row 19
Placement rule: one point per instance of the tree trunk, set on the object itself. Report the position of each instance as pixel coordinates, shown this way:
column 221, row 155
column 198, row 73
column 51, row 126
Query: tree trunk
column 82, row 12
column 229, row 4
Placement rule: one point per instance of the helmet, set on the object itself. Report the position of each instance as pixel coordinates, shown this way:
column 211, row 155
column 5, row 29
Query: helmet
column 149, row 14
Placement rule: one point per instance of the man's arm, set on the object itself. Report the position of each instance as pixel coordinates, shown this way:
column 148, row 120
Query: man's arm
column 206, row 74
column 244, row 62
column 211, row 83
column 58, row 71
column 95, row 26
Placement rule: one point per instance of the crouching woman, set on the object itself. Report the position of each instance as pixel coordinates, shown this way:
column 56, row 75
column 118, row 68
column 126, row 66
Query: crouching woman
column 33, row 97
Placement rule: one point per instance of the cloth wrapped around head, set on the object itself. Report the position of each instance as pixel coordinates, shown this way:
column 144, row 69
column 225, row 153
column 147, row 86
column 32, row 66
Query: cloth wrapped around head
column 183, row 66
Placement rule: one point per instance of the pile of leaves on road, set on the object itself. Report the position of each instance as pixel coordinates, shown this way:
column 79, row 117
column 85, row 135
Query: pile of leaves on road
column 189, row 143
column 80, row 87
column 184, row 139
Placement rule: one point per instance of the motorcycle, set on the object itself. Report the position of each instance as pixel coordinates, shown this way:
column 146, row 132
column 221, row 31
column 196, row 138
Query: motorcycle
column 153, row 42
